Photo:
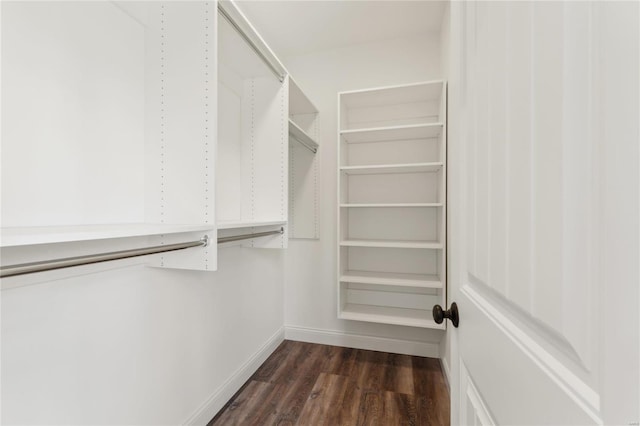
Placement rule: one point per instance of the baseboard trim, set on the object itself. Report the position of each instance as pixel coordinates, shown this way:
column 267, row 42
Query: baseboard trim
column 358, row 341
column 223, row 394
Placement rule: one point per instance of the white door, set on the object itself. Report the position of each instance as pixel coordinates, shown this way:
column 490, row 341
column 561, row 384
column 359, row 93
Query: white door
column 544, row 194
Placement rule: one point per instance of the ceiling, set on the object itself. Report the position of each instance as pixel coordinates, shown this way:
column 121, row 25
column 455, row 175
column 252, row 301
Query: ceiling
column 293, row 28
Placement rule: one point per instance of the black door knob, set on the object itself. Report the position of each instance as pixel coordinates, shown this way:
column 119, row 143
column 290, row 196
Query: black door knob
column 452, row 313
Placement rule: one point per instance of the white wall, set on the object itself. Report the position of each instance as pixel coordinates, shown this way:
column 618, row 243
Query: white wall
column 135, row 345
column 310, row 286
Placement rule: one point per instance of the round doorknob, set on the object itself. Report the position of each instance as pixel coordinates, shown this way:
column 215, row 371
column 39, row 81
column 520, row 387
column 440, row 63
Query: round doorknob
column 440, row 314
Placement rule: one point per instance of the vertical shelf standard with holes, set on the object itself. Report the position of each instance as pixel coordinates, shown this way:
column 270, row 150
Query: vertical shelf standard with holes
column 304, row 182
column 392, row 204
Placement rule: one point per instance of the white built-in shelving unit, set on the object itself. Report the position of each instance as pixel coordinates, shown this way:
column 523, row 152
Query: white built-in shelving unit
column 108, row 130
column 304, row 179
column 392, row 204
column 253, row 144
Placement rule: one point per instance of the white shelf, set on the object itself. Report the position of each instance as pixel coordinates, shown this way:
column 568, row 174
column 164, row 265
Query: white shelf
column 301, row 136
column 21, row 236
column 392, row 133
column 239, row 225
column 392, row 244
column 391, row 198
column 299, row 103
column 393, row 95
column 388, row 315
column 392, row 279
column 392, row 168
column 389, row 205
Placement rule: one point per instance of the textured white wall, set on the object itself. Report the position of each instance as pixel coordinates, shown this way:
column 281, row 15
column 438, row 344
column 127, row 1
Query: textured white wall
column 310, row 287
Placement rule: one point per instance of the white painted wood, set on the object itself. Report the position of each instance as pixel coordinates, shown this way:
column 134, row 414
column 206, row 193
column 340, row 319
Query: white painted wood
column 106, row 124
column 301, row 136
column 543, row 96
column 360, row 341
column 304, row 168
column 391, row 278
column 398, row 223
column 392, row 188
column 253, row 143
column 23, row 236
column 390, row 206
column 393, row 133
column 389, row 315
column 240, row 225
column 299, row 103
column 392, row 260
column 392, row 244
column 180, row 117
column 392, row 168
column 73, row 113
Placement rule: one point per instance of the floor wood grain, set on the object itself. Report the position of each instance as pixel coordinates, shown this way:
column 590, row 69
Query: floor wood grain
column 309, row 384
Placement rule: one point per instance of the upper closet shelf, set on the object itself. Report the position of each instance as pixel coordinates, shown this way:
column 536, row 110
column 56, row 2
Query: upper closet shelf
column 301, row 136
column 22, row 236
column 390, row 205
column 299, row 103
column 392, row 244
column 239, row 225
column 392, row 168
column 393, row 95
column 392, row 133
column 392, row 279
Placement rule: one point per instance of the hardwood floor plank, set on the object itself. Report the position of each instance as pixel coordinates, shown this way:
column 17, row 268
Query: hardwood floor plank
column 432, row 393
column 399, row 374
column 242, row 406
column 308, row 384
column 275, row 363
column 333, row 401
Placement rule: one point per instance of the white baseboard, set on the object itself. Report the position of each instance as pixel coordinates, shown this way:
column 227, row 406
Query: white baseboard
column 223, row 394
column 358, row 341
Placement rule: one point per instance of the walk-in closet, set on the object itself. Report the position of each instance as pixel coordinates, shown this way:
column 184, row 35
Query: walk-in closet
column 326, row 212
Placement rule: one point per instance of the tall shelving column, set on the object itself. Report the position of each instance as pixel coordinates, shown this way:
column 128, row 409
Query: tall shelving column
column 392, row 204
column 304, row 180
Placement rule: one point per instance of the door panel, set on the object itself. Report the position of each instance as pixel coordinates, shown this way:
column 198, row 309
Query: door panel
column 529, row 234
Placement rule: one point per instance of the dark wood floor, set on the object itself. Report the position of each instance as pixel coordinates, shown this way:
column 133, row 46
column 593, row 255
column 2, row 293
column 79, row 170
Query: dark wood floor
column 309, row 384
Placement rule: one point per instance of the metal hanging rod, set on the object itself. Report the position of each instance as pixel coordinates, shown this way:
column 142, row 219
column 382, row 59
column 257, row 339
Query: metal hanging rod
column 50, row 265
column 303, row 143
column 250, row 42
column 249, row 236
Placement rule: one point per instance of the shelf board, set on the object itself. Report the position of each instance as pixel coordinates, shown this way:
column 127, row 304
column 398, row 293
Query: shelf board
column 388, row 315
column 239, row 225
column 301, row 136
column 392, row 133
column 392, row 279
column 22, row 236
column 392, row 168
column 299, row 103
column 392, row 244
column 383, row 205
column 393, row 95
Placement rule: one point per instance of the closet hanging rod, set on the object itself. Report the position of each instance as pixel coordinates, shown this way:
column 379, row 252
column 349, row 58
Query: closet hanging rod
column 67, row 262
column 250, row 42
column 310, row 148
column 50, row 265
column 249, row 236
